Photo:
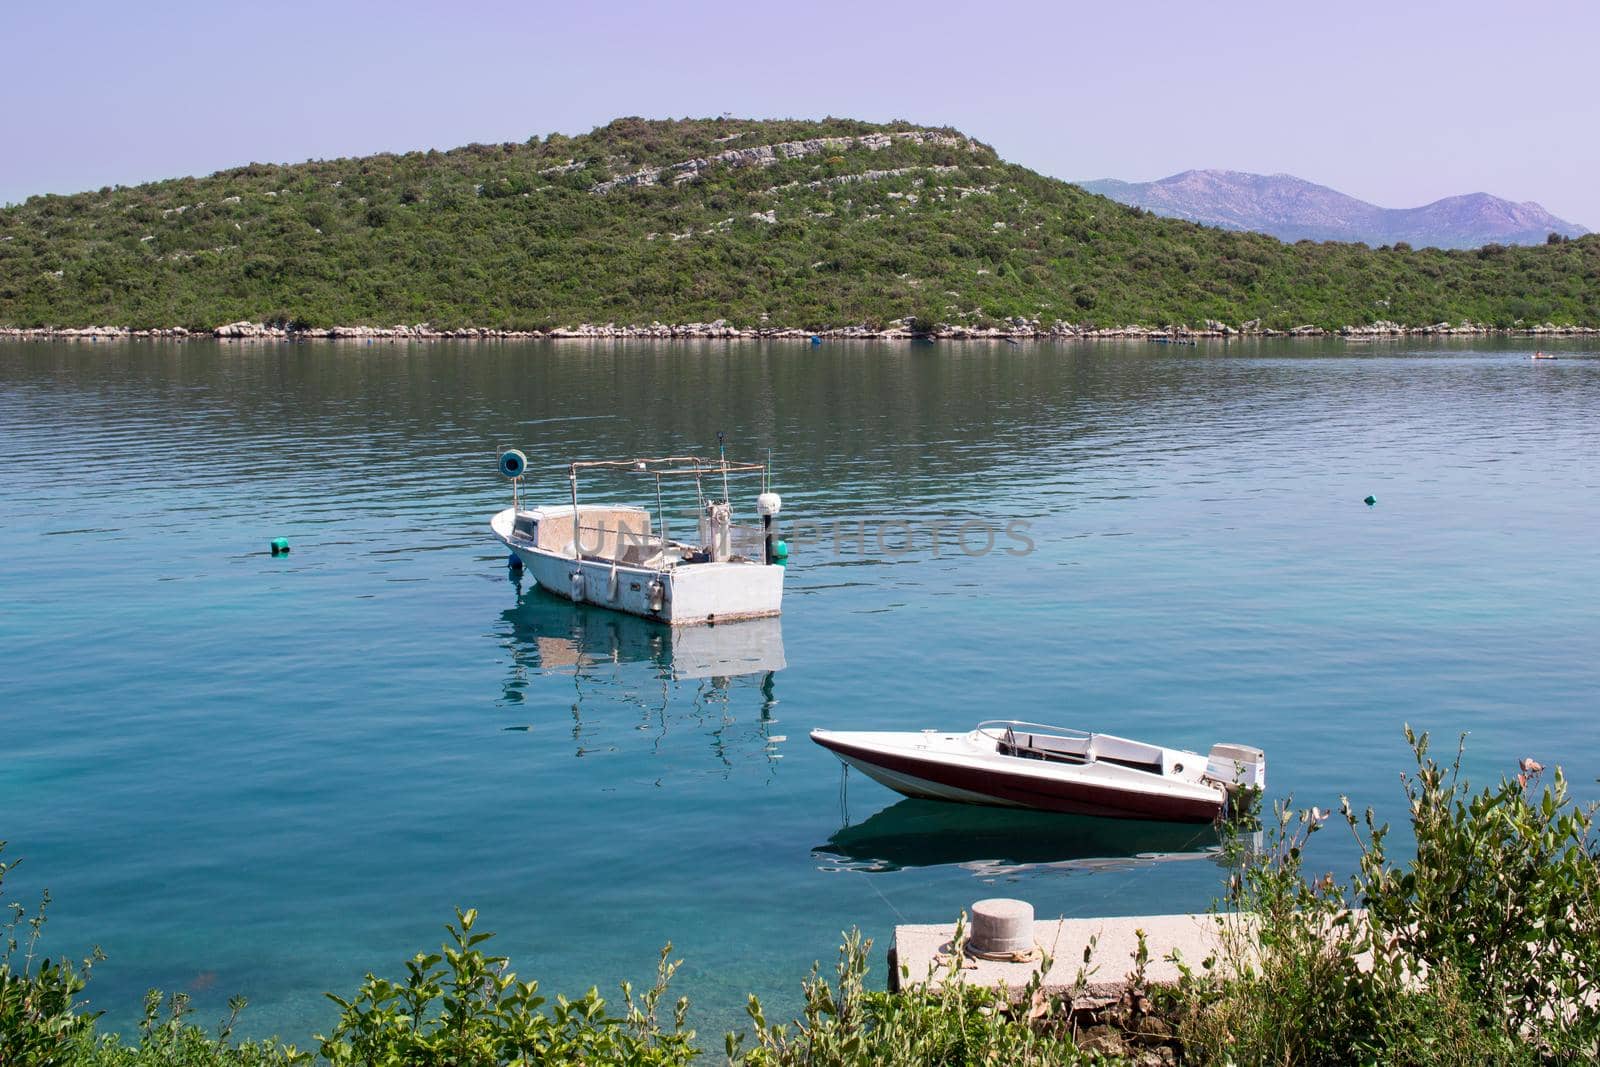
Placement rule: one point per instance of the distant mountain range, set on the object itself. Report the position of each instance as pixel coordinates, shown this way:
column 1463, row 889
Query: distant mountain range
column 1293, row 209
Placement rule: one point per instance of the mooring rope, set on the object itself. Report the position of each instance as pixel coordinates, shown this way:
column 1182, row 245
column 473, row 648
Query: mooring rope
column 887, row 902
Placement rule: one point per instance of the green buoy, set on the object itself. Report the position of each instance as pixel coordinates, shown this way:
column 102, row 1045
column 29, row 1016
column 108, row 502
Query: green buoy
column 280, row 546
column 1371, row 500
column 780, row 553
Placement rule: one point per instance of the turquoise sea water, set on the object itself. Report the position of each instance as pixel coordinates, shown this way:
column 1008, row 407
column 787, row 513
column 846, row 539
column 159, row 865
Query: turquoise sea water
column 242, row 774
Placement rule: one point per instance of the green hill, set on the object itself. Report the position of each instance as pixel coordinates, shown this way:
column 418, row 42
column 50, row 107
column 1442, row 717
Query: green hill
column 791, row 223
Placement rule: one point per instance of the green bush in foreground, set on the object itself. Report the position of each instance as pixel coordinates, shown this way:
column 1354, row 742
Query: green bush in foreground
column 940, row 1022
column 466, row 1009
column 1484, row 948
column 171, row 1041
column 40, row 1022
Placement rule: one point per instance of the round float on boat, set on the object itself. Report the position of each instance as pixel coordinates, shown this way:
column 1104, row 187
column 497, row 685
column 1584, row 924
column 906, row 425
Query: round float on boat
column 768, row 504
column 513, row 464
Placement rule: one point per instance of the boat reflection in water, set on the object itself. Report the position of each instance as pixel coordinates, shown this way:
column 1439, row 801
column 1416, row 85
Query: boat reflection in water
column 990, row 841
column 719, row 679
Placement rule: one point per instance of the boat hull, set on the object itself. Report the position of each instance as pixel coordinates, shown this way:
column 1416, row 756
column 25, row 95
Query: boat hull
column 935, row 776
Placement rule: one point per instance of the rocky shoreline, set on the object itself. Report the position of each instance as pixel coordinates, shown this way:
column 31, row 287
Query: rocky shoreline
column 1016, row 330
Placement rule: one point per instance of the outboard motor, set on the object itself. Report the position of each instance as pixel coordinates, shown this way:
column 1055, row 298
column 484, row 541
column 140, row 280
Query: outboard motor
column 1241, row 771
column 1237, row 767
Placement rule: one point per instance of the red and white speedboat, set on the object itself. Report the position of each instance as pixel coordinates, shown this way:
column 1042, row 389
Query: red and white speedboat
column 1048, row 768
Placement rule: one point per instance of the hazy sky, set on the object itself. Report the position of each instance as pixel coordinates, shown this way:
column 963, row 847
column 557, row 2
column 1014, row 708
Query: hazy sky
column 1398, row 103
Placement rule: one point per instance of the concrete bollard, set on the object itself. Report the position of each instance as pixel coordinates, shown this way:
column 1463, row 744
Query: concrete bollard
column 1001, row 928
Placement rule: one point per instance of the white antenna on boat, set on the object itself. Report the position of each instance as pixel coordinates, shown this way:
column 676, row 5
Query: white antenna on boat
column 572, row 476
column 722, row 454
column 661, row 513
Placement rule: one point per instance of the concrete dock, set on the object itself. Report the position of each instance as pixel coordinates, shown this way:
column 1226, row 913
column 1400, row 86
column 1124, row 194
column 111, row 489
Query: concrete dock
column 926, row 953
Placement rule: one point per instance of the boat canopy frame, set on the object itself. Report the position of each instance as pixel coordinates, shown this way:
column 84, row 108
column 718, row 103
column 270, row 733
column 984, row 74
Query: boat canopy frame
column 659, row 467
column 667, row 466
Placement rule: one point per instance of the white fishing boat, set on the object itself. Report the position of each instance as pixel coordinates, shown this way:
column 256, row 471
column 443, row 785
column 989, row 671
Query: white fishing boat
column 1050, row 768
column 617, row 556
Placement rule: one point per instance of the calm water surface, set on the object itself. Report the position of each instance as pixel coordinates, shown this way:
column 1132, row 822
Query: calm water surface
column 242, row 774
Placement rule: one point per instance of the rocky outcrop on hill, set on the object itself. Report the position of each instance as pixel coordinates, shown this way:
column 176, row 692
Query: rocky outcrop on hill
column 768, row 154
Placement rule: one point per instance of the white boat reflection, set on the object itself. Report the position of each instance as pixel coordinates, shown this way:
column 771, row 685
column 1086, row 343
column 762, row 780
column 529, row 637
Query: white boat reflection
column 572, row 637
column 725, row 651
column 990, row 841
column 718, row 681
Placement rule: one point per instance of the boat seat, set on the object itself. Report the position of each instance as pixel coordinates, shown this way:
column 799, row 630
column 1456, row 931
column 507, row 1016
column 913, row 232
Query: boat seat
column 1134, row 755
column 635, row 553
column 1051, row 747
